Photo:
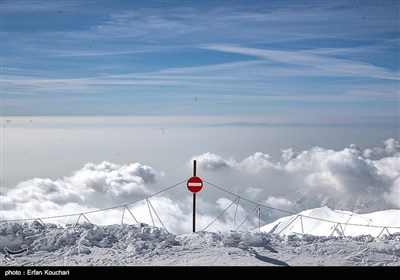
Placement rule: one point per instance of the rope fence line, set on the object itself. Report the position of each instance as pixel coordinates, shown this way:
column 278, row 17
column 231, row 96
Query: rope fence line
column 248, row 216
column 94, row 211
column 151, row 205
column 293, row 213
column 82, row 215
column 248, row 200
column 237, row 199
column 220, row 214
column 123, row 212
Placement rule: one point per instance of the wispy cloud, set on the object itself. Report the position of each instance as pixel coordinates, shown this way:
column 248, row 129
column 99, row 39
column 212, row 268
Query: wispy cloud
column 240, row 81
column 29, row 6
column 268, row 51
column 335, row 66
column 143, row 22
column 81, row 53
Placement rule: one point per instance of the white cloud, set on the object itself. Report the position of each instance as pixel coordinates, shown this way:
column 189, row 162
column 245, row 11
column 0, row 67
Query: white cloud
column 209, row 161
column 288, row 154
column 257, row 162
column 388, row 167
column 335, row 66
column 340, row 178
column 280, row 203
column 38, row 6
column 392, row 148
column 93, row 186
column 253, row 193
column 252, row 164
column 113, row 180
column 393, row 195
column 343, row 170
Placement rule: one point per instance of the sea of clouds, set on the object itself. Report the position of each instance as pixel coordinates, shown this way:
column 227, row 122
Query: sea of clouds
column 350, row 179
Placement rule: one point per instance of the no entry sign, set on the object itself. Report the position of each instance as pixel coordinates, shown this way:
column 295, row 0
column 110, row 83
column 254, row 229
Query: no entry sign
column 194, row 184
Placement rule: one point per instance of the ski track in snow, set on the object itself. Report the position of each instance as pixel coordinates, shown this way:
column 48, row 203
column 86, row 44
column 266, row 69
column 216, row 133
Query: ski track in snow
column 131, row 245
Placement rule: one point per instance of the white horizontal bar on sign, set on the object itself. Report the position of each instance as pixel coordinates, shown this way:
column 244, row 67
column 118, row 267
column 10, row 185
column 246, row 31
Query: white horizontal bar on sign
column 195, row 184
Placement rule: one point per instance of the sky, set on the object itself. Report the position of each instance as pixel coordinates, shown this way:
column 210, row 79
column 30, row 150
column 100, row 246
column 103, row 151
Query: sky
column 291, row 104
column 281, row 59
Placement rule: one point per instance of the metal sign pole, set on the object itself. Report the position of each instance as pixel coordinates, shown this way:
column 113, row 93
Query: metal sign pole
column 194, row 199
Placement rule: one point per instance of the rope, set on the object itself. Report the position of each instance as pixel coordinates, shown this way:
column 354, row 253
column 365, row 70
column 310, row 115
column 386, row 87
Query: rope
column 288, row 224
column 156, row 214
column 237, row 206
column 248, row 217
column 94, row 211
column 292, row 213
column 132, row 214
column 220, row 214
column 166, row 189
column 123, row 212
column 84, row 217
column 151, row 215
column 248, row 200
column 258, row 205
column 301, row 222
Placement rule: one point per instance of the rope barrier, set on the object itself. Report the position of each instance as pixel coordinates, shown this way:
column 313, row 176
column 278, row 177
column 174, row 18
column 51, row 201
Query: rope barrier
column 288, row 224
column 292, row 213
column 301, row 222
column 127, row 208
column 151, row 215
column 151, row 205
column 247, row 217
column 221, row 214
column 336, row 228
column 84, row 217
column 94, row 211
column 248, row 200
column 237, row 206
column 122, row 218
column 238, row 198
column 386, row 231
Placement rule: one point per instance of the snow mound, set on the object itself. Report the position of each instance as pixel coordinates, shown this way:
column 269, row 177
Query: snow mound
column 131, row 245
column 81, row 238
column 324, row 221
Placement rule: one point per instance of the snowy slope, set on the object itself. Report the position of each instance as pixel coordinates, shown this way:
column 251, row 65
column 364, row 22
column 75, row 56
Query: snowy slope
column 324, row 221
column 132, row 245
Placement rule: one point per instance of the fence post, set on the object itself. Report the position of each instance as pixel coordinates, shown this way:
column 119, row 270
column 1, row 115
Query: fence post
column 301, row 222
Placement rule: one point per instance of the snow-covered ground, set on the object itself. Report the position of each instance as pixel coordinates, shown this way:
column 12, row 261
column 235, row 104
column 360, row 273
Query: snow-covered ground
column 132, row 245
column 324, row 221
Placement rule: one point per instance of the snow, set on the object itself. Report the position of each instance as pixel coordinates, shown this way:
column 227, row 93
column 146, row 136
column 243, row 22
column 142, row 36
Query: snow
column 324, row 221
column 85, row 244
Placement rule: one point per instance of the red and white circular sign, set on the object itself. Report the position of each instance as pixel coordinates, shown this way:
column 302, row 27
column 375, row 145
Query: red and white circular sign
column 194, row 184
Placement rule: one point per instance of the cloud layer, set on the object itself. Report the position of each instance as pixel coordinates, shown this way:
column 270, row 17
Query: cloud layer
column 351, row 179
column 348, row 178
column 93, row 186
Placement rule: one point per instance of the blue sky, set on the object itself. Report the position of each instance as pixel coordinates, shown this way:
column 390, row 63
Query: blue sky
column 288, row 61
